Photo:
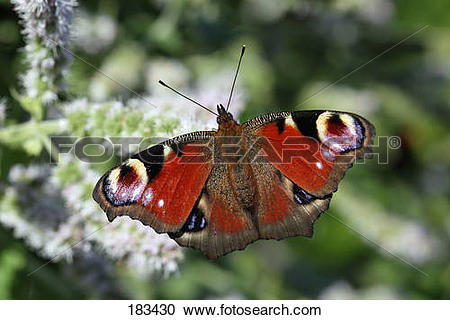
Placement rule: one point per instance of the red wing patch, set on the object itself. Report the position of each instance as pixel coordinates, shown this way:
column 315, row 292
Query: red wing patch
column 314, row 148
column 158, row 186
column 284, row 209
column 299, row 156
column 171, row 195
column 225, row 220
column 275, row 203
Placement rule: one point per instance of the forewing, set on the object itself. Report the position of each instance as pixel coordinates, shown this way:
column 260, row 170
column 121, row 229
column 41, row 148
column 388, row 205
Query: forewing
column 160, row 185
column 311, row 148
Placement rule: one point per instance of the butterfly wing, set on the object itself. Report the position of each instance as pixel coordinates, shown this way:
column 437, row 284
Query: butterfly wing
column 305, row 155
column 160, row 185
column 311, row 148
column 283, row 209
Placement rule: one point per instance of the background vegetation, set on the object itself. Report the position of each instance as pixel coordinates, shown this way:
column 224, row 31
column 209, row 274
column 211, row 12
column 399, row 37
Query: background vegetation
column 387, row 60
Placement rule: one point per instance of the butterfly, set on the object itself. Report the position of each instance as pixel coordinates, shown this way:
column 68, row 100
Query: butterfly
column 218, row 191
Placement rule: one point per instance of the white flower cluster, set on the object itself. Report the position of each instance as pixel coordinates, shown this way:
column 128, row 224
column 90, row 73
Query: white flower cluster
column 33, row 210
column 46, row 26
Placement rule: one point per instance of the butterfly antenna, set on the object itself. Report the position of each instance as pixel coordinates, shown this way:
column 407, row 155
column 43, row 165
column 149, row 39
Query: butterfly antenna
column 186, row 97
column 235, row 76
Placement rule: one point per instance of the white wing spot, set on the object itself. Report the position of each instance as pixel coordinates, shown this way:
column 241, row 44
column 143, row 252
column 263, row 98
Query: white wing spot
column 160, row 203
column 167, row 150
column 319, row 165
column 148, row 196
column 290, row 122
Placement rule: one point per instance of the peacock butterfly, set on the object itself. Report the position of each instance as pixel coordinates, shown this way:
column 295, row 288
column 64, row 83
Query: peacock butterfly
column 218, row 191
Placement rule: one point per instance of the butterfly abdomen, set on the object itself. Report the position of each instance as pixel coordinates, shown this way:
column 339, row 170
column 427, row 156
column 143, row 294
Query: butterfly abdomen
column 241, row 179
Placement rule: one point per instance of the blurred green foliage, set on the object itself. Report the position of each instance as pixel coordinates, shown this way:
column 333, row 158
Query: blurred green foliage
column 295, row 49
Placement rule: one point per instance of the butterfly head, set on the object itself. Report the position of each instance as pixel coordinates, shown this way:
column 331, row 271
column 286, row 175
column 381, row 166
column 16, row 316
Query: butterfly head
column 224, row 116
column 227, row 125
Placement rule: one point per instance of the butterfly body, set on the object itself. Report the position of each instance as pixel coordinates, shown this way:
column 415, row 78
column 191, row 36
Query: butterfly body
column 217, row 191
